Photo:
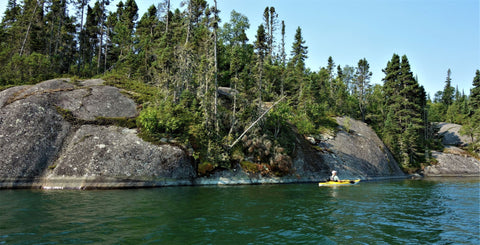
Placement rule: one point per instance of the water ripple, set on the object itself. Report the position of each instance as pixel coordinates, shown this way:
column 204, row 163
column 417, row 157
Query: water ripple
column 396, row 212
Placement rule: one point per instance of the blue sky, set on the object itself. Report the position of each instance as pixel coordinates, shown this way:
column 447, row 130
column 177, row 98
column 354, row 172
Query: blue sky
column 434, row 34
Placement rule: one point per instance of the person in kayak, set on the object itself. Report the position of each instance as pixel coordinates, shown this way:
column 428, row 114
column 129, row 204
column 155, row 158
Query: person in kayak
column 334, row 176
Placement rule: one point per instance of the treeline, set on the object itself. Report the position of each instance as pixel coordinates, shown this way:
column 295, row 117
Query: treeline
column 206, row 86
column 454, row 106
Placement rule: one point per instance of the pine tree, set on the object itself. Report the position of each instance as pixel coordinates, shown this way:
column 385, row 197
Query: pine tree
column 270, row 18
column 11, row 14
column 448, row 91
column 283, row 57
column 330, row 66
column 475, row 92
column 89, row 42
column 148, row 33
column 261, row 48
column 32, row 23
column 405, row 103
column 294, row 82
column 362, row 84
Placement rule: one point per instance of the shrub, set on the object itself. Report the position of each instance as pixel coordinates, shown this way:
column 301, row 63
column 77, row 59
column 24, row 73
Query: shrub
column 249, row 166
column 205, row 168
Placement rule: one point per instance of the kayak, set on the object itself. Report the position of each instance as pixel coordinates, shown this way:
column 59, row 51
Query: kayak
column 337, row 183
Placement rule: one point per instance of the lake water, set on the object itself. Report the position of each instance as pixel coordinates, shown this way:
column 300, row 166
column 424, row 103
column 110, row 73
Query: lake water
column 435, row 211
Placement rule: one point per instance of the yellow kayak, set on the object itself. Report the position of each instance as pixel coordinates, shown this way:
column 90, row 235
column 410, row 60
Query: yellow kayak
column 341, row 182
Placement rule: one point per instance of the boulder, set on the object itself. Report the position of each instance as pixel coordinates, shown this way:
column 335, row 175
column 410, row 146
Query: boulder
column 451, row 135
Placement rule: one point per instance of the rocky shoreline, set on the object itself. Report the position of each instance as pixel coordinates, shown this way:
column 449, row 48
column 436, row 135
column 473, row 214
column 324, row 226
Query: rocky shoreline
column 89, row 183
column 63, row 134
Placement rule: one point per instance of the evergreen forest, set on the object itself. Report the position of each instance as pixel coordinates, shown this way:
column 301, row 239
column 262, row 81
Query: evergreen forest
column 202, row 84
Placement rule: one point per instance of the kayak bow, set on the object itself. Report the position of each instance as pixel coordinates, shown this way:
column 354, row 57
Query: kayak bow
column 336, row 183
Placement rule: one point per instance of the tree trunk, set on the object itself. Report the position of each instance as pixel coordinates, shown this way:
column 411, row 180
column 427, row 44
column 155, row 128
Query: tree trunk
column 168, row 17
column 101, row 37
column 28, row 29
column 256, row 121
column 216, row 66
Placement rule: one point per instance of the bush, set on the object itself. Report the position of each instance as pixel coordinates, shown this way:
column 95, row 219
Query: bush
column 249, row 166
column 172, row 120
column 28, row 69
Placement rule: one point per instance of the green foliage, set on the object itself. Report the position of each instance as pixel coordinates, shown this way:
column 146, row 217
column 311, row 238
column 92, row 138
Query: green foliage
column 475, row 92
column 249, row 166
column 404, row 123
column 435, row 112
column 140, row 91
column 28, row 69
column 471, row 128
column 166, row 118
column 304, row 124
column 172, row 62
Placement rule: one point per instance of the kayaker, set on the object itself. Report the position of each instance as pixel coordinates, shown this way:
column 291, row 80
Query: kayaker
column 334, row 176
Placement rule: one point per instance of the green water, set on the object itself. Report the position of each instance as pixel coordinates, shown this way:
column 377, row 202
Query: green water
column 440, row 211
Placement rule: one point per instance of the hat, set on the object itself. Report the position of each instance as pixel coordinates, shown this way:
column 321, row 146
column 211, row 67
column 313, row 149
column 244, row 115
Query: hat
column 334, row 172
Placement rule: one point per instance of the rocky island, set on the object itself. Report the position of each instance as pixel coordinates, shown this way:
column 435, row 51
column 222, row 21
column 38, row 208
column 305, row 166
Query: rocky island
column 81, row 135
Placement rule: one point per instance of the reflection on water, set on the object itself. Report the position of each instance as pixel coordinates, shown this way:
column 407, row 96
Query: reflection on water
column 394, row 212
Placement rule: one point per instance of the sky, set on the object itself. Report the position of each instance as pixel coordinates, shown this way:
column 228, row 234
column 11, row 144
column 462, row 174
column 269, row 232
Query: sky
column 435, row 35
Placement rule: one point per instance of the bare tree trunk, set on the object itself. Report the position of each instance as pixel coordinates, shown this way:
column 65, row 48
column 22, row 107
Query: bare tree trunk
column 60, row 24
column 82, row 55
column 256, row 121
column 216, row 66
column 105, row 61
column 28, row 29
column 189, row 22
column 260, row 84
column 168, row 17
column 234, row 110
column 101, row 37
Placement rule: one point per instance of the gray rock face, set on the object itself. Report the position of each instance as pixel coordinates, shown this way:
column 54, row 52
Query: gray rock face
column 453, row 161
column 39, row 148
column 31, row 135
column 119, row 153
column 358, row 153
column 453, row 165
column 97, row 101
column 451, row 135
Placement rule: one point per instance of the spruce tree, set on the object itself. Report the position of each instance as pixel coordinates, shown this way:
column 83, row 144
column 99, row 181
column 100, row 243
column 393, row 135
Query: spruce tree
column 296, row 66
column 405, row 103
column 448, row 91
column 475, row 92
column 362, row 84
column 261, row 48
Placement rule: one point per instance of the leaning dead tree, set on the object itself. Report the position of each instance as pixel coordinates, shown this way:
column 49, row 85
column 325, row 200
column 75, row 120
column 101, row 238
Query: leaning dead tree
column 256, row 121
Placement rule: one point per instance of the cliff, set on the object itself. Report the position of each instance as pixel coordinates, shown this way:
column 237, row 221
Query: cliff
column 67, row 134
